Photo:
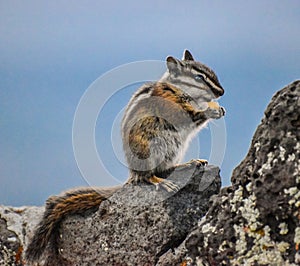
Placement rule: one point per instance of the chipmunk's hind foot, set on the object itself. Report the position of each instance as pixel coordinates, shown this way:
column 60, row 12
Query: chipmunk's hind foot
column 164, row 184
column 200, row 162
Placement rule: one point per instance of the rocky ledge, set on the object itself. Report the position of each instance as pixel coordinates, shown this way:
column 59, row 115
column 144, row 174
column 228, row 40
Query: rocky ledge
column 138, row 223
column 255, row 221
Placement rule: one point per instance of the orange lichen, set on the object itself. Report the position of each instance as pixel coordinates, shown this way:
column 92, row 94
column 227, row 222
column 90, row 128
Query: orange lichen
column 19, row 211
column 19, row 255
column 184, row 263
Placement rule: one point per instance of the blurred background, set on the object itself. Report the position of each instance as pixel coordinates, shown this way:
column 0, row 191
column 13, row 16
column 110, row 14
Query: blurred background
column 52, row 51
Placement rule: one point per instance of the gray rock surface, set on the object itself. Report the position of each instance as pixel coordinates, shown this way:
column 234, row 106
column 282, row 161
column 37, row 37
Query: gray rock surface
column 138, row 223
column 256, row 221
column 16, row 227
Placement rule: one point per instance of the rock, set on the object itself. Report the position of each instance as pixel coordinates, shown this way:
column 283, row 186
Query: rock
column 256, row 220
column 138, row 223
column 10, row 246
column 16, row 227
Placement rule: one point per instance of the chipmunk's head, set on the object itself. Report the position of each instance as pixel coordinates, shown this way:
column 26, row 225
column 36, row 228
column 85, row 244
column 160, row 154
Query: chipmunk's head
column 195, row 78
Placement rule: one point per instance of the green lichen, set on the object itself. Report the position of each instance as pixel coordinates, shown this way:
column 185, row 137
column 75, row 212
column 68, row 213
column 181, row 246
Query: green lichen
column 297, row 236
column 283, row 228
column 207, row 230
column 237, row 197
column 264, row 250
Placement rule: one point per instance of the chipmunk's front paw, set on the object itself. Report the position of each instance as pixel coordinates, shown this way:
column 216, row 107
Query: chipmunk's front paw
column 214, row 110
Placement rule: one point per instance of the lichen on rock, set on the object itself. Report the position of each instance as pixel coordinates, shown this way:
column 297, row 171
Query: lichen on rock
column 16, row 227
column 256, row 220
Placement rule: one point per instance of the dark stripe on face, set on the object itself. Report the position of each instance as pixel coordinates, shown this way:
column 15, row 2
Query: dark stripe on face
column 207, row 72
column 213, row 78
column 216, row 92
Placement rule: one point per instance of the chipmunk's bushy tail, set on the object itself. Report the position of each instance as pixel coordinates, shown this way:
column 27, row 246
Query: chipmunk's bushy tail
column 78, row 201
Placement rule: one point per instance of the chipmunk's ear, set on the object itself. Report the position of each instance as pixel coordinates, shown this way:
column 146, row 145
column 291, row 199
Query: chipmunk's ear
column 187, row 56
column 174, row 65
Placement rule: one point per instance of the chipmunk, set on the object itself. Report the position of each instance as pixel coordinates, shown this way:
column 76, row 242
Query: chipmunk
column 159, row 121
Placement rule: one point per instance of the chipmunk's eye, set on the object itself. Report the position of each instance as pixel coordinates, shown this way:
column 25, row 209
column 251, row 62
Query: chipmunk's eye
column 199, row 77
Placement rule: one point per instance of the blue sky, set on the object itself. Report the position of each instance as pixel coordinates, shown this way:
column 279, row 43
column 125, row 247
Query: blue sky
column 50, row 53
